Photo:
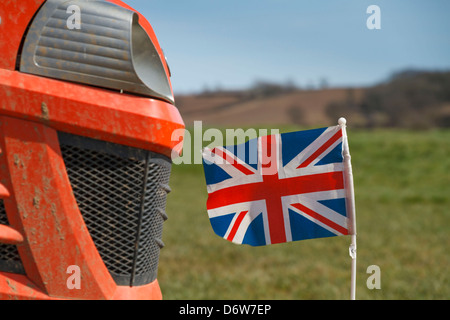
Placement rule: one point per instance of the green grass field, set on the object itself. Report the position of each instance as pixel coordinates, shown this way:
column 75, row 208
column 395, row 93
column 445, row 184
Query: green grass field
column 402, row 187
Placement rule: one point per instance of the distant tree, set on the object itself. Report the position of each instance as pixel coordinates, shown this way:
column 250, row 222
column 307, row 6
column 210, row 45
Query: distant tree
column 409, row 98
column 290, row 85
column 323, row 83
column 346, row 107
column 263, row 88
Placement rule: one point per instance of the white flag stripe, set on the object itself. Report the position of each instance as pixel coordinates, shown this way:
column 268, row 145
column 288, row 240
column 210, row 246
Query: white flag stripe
column 328, row 150
column 235, row 181
column 286, row 203
column 257, row 205
column 316, row 144
column 220, row 158
column 238, row 177
column 236, row 159
column 318, row 222
column 230, row 227
column 243, row 227
column 326, row 168
column 221, row 162
column 266, row 224
column 325, row 195
column 263, row 153
column 326, row 212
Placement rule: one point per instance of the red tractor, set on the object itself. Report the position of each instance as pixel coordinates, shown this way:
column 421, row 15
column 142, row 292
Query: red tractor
column 86, row 118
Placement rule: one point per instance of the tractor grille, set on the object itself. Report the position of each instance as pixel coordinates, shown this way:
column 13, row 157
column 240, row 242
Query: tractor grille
column 9, row 255
column 121, row 193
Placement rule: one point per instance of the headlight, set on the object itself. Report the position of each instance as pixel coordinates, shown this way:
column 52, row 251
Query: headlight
column 108, row 48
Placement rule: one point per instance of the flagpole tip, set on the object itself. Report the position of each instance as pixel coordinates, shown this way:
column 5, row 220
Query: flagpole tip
column 342, row 121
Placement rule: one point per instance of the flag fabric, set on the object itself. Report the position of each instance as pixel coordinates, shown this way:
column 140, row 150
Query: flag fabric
column 278, row 188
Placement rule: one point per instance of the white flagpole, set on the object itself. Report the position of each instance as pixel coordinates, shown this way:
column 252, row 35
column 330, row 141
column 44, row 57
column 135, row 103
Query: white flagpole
column 350, row 200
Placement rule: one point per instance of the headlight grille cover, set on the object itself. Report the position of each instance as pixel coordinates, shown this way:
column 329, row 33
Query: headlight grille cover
column 121, row 193
column 109, row 50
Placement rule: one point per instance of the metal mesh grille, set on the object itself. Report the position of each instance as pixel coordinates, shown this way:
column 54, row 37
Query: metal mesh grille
column 121, row 193
column 9, row 255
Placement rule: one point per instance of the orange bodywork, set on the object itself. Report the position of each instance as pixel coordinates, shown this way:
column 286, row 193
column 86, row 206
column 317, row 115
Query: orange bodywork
column 15, row 18
column 45, row 221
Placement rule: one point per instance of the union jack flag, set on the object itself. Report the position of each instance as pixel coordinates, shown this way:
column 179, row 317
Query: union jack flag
column 278, row 188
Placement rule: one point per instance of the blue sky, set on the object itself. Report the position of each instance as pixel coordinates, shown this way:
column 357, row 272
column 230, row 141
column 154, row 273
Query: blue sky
column 231, row 44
